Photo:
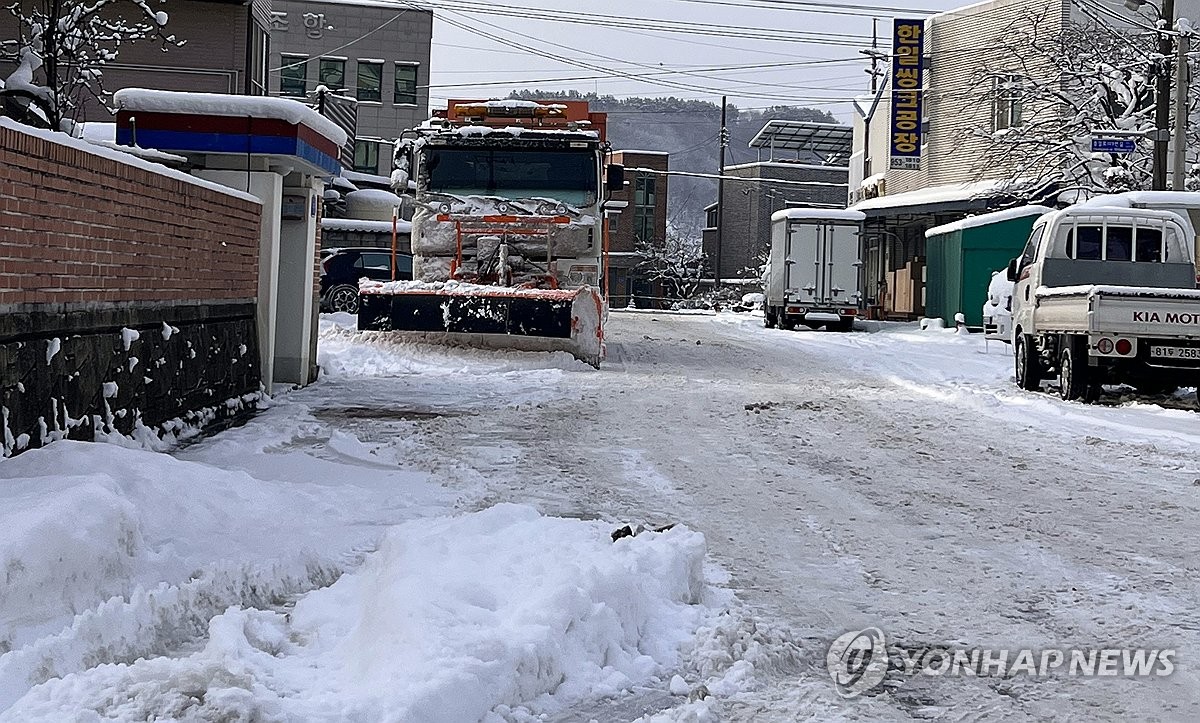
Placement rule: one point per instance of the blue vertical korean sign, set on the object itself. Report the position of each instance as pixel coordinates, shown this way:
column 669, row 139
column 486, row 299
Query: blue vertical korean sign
column 908, row 42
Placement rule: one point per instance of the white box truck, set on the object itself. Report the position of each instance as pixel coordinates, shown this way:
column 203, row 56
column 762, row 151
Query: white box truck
column 1106, row 296
column 813, row 274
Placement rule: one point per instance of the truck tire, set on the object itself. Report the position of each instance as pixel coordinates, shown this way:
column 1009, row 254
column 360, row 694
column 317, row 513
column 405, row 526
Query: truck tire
column 785, row 322
column 769, row 317
column 843, row 325
column 1029, row 366
column 1073, row 373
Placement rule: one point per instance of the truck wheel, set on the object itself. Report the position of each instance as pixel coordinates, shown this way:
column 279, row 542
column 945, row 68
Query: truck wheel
column 1073, row 382
column 785, row 322
column 769, row 317
column 1029, row 367
column 843, row 325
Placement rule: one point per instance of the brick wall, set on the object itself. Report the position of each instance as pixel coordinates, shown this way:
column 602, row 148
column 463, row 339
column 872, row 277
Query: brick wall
column 127, row 294
column 79, row 227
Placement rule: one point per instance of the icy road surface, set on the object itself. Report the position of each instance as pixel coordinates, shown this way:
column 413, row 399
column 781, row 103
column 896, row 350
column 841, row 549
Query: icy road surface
column 352, row 553
column 892, row 479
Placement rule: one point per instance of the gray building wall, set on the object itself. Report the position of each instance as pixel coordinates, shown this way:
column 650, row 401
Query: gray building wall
column 358, row 32
column 211, row 61
column 748, row 207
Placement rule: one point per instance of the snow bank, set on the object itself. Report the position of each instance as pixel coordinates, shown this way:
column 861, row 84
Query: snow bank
column 110, row 554
column 450, row 619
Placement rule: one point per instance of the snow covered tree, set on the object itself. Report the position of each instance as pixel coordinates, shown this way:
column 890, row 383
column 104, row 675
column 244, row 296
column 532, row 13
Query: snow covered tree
column 677, row 262
column 62, row 48
column 1052, row 88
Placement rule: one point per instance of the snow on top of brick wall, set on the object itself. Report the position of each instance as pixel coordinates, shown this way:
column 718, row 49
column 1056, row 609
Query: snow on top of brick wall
column 256, row 106
column 113, row 154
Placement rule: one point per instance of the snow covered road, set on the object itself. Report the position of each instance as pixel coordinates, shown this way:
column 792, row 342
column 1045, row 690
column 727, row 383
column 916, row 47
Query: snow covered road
column 894, row 479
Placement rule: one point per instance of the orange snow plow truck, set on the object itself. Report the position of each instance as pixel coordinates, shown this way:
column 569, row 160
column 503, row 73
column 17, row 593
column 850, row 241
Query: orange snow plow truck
column 507, row 230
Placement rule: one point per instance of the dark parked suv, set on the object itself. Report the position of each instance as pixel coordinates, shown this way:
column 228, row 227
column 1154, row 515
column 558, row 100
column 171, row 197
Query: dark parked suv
column 342, row 268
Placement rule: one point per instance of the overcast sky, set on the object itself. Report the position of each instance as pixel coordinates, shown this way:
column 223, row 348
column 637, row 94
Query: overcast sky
column 815, row 61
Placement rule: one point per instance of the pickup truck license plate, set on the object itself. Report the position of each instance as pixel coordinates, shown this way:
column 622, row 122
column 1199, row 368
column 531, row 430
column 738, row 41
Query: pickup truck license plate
column 1175, row 352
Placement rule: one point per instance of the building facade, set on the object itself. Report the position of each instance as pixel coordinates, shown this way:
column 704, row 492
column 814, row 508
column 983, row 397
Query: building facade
column 768, row 186
column 972, row 95
column 644, row 220
column 375, row 52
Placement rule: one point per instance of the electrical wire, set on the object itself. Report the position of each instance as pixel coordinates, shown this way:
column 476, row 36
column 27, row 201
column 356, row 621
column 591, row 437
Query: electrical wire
column 644, row 23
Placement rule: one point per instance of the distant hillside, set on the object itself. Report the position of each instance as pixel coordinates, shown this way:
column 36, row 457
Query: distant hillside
column 687, row 129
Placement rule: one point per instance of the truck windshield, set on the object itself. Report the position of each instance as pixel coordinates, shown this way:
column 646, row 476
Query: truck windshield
column 567, row 176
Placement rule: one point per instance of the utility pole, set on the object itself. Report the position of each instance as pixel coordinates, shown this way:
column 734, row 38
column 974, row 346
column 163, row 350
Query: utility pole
column 1182, row 81
column 1162, row 97
column 720, row 199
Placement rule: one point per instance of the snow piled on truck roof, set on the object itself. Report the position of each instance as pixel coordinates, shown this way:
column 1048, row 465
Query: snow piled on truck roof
column 254, row 106
column 818, row 214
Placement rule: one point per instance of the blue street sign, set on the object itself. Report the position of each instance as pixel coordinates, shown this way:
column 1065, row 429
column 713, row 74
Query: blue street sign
column 1114, row 145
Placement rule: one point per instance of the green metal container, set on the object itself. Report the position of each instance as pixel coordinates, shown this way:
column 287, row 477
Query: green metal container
column 962, row 256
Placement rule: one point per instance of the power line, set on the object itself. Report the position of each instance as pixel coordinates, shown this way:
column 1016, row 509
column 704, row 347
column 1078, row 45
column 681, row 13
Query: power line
column 650, row 24
column 601, row 69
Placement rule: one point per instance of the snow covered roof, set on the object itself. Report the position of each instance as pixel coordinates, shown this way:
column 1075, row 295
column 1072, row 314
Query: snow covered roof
column 254, row 106
column 934, row 194
column 987, row 219
column 818, row 214
column 128, row 159
column 360, row 225
column 785, row 164
column 644, row 153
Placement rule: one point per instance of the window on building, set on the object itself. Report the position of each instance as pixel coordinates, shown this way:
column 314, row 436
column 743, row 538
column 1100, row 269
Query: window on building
column 366, row 156
column 293, row 75
column 332, row 73
column 406, row 83
column 370, row 81
column 643, row 207
column 1006, row 91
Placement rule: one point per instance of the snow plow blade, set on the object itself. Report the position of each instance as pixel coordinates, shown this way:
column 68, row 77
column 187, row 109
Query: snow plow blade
column 488, row 317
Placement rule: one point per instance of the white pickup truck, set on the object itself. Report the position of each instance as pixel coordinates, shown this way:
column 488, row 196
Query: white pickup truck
column 1106, row 296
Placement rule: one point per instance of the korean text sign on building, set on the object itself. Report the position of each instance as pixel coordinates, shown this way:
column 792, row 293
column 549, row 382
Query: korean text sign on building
column 907, row 80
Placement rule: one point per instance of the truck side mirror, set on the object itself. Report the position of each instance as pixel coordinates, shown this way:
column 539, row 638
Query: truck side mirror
column 615, row 179
column 1012, row 270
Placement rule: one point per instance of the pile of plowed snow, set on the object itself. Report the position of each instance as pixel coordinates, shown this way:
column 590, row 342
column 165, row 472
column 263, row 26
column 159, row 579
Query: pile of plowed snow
column 451, row 619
